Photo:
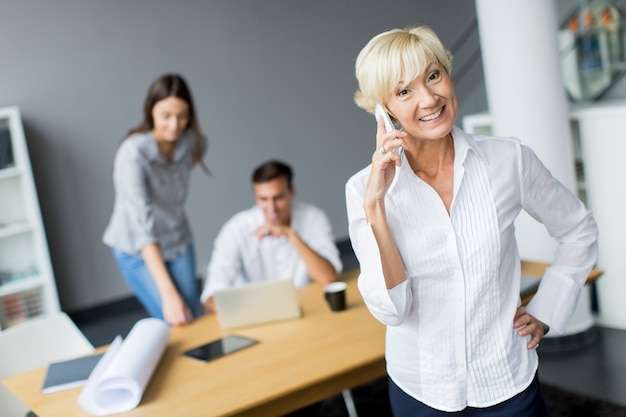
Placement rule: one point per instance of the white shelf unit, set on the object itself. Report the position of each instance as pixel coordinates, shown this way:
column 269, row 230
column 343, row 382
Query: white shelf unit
column 27, row 284
column 601, row 127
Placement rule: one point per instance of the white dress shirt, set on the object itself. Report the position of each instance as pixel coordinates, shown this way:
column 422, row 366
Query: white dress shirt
column 450, row 340
column 240, row 257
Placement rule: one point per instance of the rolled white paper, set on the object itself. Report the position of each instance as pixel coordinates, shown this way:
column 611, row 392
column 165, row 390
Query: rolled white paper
column 118, row 381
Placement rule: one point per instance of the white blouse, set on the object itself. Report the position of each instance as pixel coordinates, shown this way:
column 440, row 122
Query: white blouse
column 450, row 340
column 150, row 195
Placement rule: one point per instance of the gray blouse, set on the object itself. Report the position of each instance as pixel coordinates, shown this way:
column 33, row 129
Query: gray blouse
column 150, row 193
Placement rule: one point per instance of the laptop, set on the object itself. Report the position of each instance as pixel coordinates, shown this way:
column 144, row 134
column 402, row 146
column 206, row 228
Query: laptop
column 257, row 303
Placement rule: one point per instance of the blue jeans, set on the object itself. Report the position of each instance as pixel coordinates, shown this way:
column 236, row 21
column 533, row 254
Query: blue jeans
column 183, row 273
column 528, row 403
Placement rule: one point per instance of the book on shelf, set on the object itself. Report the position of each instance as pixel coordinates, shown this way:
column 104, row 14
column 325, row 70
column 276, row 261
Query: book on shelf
column 6, row 152
column 15, row 309
column 20, row 306
column 8, row 276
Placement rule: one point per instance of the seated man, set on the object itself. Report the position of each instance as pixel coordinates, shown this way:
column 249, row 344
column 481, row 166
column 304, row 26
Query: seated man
column 275, row 239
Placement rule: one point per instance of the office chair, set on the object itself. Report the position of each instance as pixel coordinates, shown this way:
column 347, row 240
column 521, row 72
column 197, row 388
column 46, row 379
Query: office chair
column 34, row 344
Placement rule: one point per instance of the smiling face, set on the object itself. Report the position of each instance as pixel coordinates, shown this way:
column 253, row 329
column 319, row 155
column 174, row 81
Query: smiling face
column 275, row 197
column 171, row 118
column 426, row 106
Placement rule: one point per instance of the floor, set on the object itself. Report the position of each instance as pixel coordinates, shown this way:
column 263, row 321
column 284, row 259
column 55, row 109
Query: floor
column 595, row 364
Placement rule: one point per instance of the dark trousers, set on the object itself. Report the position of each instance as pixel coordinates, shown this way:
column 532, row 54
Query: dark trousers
column 528, row 403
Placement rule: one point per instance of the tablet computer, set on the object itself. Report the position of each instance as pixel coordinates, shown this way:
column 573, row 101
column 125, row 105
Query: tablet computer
column 220, row 347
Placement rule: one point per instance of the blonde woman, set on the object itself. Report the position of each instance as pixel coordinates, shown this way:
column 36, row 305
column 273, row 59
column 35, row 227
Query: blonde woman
column 431, row 220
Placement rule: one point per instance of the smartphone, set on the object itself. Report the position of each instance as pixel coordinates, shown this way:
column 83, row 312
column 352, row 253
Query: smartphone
column 220, row 347
column 380, row 111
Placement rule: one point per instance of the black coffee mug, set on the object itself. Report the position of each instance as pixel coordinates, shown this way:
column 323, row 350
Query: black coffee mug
column 335, row 294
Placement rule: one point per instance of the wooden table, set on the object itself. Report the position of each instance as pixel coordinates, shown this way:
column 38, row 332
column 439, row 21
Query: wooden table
column 297, row 362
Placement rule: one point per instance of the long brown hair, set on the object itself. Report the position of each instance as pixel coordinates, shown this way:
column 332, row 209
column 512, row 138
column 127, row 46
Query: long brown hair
column 171, row 85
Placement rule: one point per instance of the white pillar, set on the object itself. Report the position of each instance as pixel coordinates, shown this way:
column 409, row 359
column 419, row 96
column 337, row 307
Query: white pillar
column 526, row 99
column 602, row 127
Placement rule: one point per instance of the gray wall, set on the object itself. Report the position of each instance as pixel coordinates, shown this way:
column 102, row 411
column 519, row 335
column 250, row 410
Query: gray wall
column 270, row 78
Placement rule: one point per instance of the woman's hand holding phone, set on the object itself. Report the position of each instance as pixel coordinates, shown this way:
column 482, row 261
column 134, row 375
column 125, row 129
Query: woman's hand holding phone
column 389, row 127
column 385, row 158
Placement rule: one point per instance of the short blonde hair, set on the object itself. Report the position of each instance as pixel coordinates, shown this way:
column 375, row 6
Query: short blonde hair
column 393, row 55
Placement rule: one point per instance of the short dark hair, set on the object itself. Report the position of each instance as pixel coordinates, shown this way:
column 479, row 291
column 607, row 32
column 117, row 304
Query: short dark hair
column 270, row 170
